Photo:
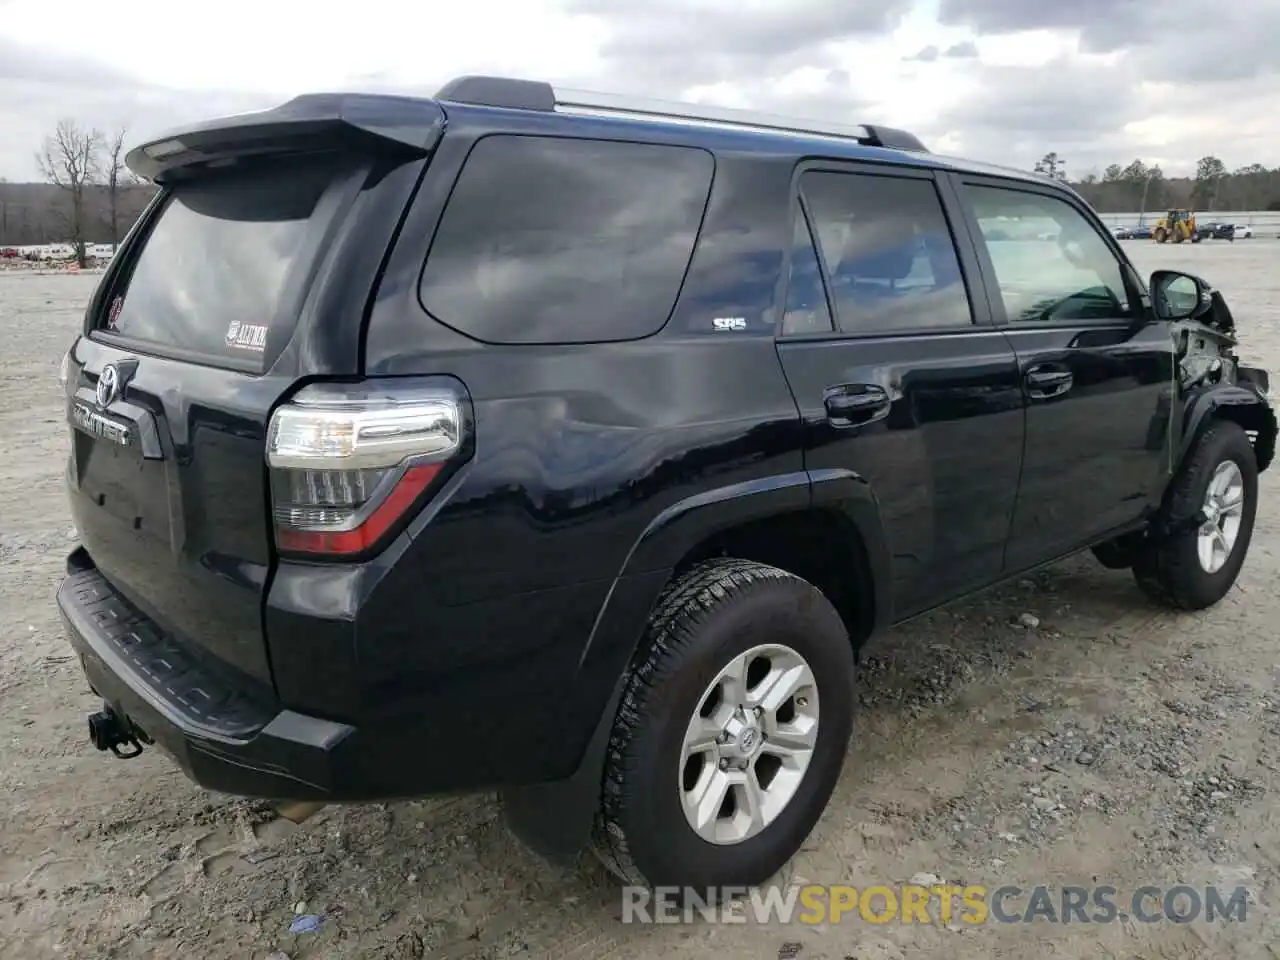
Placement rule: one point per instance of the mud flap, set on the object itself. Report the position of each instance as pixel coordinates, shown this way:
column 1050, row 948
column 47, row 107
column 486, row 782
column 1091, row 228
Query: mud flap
column 554, row 819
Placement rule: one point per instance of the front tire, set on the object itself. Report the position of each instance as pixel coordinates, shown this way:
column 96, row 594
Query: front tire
column 700, row 790
column 1212, row 507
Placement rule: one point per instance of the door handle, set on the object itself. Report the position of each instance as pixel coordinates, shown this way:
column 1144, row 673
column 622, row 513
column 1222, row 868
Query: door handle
column 851, row 404
column 1046, row 381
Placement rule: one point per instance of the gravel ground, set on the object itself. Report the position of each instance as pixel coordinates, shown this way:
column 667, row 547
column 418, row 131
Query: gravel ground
column 1058, row 730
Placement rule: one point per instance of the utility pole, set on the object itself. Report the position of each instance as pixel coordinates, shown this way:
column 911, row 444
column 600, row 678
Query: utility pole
column 1146, row 185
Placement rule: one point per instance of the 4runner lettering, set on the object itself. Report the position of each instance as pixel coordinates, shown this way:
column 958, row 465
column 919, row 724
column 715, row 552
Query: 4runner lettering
column 496, row 505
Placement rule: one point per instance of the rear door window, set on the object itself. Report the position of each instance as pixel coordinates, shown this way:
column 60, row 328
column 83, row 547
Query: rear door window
column 220, row 275
column 554, row 240
column 889, row 253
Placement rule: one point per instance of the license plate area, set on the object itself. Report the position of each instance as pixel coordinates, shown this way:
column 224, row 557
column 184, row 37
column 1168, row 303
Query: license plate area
column 113, row 477
column 117, row 463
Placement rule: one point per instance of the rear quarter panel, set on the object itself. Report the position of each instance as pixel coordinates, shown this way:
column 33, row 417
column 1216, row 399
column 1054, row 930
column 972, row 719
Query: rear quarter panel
column 493, row 604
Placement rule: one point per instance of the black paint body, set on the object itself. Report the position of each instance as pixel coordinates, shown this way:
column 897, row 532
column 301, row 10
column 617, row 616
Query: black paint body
column 484, row 646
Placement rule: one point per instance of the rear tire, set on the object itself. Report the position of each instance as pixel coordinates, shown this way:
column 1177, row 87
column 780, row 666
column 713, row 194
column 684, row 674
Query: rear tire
column 660, row 822
column 1194, row 568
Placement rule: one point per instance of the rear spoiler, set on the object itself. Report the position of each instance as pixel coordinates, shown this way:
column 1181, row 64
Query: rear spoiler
column 406, row 125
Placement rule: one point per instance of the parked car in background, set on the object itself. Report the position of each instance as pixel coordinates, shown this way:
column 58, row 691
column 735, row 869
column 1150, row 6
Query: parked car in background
column 1216, row 230
column 1122, row 232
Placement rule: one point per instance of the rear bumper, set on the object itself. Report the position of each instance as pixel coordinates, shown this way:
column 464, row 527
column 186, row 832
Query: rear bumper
column 221, row 738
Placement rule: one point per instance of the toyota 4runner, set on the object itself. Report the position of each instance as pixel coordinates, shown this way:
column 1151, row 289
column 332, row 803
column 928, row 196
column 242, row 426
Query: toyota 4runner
column 526, row 440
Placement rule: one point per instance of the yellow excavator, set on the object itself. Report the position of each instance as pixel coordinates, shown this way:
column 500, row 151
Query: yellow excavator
column 1176, row 225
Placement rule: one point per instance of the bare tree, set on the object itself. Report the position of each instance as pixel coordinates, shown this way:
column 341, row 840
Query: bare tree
column 69, row 160
column 115, row 176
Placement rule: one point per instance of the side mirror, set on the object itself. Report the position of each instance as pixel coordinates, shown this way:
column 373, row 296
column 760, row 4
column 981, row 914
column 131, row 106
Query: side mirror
column 1179, row 296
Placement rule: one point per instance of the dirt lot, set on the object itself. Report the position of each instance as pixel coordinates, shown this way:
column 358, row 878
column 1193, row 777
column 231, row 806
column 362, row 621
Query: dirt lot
column 1111, row 743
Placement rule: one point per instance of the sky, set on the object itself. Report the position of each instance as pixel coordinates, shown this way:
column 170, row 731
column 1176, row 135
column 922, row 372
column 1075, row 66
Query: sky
column 1097, row 81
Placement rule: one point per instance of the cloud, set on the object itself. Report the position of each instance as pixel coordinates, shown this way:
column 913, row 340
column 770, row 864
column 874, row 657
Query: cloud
column 1100, row 18
column 1077, row 107
column 22, row 63
column 669, row 45
column 1044, row 102
column 814, row 93
column 1098, row 81
column 39, row 88
column 1230, row 118
column 1166, row 82
column 964, row 50
column 1174, row 40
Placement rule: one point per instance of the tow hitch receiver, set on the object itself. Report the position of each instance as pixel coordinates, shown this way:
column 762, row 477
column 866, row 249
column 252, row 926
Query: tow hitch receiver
column 109, row 731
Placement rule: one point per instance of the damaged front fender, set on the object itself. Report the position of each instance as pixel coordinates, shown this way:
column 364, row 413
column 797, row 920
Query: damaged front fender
column 1213, row 384
column 1206, row 355
column 1242, row 403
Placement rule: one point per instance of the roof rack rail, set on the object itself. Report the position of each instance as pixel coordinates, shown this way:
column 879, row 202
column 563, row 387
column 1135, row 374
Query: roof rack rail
column 538, row 95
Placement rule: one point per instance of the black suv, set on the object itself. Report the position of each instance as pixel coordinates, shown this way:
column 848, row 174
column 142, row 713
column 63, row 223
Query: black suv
column 1216, row 231
column 524, row 440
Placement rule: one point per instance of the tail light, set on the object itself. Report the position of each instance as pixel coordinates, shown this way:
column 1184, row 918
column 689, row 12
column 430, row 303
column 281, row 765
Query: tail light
column 350, row 462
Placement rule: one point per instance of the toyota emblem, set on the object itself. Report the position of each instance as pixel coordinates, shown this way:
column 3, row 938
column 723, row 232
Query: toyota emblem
column 108, row 385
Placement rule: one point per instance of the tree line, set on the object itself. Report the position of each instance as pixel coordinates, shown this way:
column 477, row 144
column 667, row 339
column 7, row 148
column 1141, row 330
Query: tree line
column 88, row 195
column 1139, row 187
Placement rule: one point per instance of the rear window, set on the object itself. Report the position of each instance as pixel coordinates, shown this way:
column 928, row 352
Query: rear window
column 223, row 260
column 548, row 240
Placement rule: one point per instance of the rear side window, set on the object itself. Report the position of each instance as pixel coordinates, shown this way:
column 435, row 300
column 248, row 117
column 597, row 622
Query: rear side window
column 548, row 240
column 888, row 250
column 220, row 264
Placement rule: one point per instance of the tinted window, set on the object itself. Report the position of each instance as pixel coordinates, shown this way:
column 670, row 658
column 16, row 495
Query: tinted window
column 807, row 310
column 888, row 251
column 554, row 240
column 213, row 272
column 1050, row 262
